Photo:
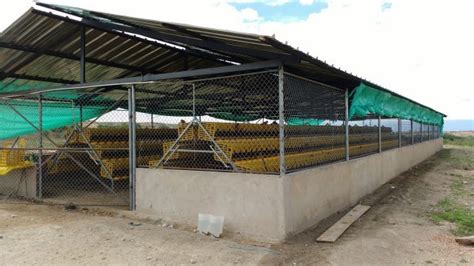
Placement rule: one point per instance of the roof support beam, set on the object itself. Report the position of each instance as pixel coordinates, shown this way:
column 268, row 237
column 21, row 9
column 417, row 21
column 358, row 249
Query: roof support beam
column 73, row 57
column 4, row 75
column 197, row 73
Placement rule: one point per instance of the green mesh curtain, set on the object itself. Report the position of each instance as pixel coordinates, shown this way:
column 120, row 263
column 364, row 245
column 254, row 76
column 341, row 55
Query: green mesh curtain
column 294, row 121
column 370, row 101
column 55, row 115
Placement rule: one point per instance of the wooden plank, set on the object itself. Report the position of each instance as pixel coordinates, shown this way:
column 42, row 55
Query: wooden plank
column 336, row 230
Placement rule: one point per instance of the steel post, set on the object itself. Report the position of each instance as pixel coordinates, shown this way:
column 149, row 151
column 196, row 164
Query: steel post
column 412, row 133
column 380, row 133
column 132, row 145
column 399, row 133
column 83, row 55
column 281, row 114
column 346, row 122
column 81, row 116
column 430, row 132
column 40, row 147
column 421, row 132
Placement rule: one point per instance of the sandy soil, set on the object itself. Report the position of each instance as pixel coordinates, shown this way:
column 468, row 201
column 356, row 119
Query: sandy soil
column 35, row 234
column 397, row 230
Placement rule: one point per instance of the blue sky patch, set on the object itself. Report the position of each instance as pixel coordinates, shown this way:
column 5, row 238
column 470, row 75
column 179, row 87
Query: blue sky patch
column 386, row 5
column 291, row 11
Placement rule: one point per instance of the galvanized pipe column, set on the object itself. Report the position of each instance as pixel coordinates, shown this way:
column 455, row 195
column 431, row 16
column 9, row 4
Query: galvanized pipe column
column 40, row 147
column 81, row 115
column 346, row 122
column 83, row 55
column 281, row 106
column 380, row 133
column 412, row 133
column 399, row 133
column 429, row 131
column 82, row 67
column 421, row 132
column 132, row 127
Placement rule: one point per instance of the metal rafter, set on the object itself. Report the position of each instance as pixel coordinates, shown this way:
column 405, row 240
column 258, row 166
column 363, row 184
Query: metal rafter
column 37, row 51
column 157, row 77
column 4, row 75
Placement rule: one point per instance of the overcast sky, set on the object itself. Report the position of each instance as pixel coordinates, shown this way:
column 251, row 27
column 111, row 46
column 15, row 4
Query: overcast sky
column 423, row 49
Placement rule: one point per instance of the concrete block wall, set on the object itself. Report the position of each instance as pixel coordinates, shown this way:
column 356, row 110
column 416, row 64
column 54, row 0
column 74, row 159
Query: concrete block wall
column 267, row 207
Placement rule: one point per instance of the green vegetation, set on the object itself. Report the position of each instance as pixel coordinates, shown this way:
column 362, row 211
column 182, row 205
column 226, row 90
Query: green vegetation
column 463, row 161
column 458, row 140
column 451, row 211
column 453, row 208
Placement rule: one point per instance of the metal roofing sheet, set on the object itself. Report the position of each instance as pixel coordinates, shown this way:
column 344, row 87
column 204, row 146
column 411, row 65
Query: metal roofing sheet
column 45, row 47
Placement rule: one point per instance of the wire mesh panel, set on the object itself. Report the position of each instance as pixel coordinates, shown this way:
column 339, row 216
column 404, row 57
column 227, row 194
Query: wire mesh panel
column 432, row 132
column 89, row 165
column 389, row 130
column 416, row 132
column 406, row 132
column 424, row 132
column 363, row 136
column 17, row 169
column 436, row 131
column 224, row 124
column 82, row 154
column 314, row 131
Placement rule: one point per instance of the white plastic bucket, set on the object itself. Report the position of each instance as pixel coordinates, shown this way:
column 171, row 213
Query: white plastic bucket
column 216, row 225
column 203, row 223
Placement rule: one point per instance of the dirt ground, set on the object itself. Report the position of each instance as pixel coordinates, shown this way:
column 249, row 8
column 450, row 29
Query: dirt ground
column 398, row 229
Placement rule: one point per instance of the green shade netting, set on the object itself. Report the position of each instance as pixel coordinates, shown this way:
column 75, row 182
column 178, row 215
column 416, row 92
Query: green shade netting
column 55, row 115
column 370, row 101
column 295, row 121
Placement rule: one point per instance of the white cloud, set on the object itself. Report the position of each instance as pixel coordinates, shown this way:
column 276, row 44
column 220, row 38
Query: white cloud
column 277, row 2
column 266, row 2
column 249, row 14
column 421, row 49
column 306, row 2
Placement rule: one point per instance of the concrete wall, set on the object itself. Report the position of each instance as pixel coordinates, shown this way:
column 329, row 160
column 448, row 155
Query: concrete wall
column 250, row 203
column 315, row 194
column 20, row 182
column 266, row 207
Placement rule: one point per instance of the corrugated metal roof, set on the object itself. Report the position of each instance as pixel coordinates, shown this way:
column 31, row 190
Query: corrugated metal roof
column 45, row 47
column 49, row 48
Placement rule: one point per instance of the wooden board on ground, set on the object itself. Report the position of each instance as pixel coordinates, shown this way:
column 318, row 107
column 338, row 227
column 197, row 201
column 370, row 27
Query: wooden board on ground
column 336, row 230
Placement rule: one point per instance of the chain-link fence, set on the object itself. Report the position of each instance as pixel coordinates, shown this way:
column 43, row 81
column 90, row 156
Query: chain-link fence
column 314, row 131
column 225, row 124
column 416, row 132
column 406, row 132
column 389, row 130
column 240, row 123
column 424, row 132
column 363, row 136
column 71, row 161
